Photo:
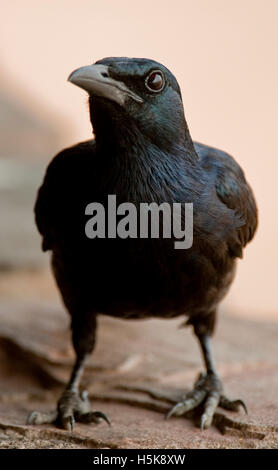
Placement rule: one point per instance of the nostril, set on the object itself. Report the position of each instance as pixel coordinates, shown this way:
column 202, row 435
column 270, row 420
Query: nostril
column 104, row 74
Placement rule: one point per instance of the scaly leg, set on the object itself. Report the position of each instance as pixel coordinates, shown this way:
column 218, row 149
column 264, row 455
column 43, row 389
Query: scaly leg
column 207, row 390
column 72, row 406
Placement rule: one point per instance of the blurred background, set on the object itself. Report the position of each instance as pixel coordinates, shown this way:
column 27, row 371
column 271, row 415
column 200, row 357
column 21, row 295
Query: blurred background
column 224, row 55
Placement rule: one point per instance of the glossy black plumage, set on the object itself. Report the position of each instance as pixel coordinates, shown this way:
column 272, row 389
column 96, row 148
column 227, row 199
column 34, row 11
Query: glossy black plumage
column 143, row 153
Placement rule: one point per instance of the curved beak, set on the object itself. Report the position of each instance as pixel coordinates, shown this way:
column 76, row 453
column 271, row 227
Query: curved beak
column 95, row 80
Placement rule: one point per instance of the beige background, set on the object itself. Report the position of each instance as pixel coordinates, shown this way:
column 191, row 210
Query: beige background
column 224, row 55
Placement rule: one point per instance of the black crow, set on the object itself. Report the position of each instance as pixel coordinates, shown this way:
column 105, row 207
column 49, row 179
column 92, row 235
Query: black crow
column 142, row 153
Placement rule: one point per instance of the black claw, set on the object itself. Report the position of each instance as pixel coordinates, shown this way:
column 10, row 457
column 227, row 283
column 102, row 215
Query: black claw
column 241, row 403
column 222, row 428
column 232, row 405
column 99, row 414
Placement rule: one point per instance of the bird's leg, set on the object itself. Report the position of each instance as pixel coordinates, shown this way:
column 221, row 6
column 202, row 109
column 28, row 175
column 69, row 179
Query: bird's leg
column 73, row 406
column 206, row 395
column 207, row 390
column 202, row 401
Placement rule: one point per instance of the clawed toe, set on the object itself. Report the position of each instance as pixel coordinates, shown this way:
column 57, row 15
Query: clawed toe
column 36, row 417
column 94, row 417
column 71, row 408
column 208, row 393
column 210, row 406
column 192, row 400
column 232, row 405
column 67, row 422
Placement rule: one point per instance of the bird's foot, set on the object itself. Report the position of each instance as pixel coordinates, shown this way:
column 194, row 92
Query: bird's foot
column 208, row 392
column 199, row 404
column 71, row 407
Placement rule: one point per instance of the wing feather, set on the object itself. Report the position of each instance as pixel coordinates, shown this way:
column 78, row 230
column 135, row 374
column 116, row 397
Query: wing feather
column 232, row 189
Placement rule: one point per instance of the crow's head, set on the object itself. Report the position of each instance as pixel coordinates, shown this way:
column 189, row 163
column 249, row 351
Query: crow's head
column 126, row 92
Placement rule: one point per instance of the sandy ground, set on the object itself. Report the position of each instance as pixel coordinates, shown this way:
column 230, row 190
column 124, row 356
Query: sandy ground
column 130, row 356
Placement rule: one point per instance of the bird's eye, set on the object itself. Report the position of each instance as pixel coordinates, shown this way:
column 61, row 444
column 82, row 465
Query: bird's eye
column 155, row 81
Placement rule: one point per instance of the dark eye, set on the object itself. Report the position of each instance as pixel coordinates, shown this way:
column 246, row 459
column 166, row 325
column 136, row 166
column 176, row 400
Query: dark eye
column 155, row 81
